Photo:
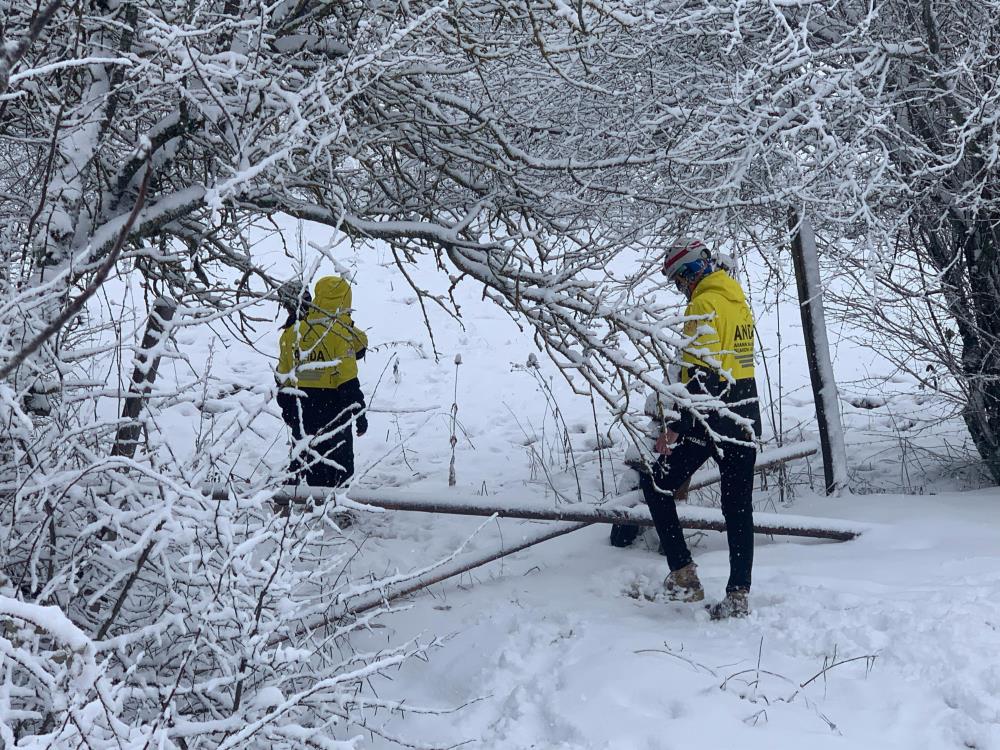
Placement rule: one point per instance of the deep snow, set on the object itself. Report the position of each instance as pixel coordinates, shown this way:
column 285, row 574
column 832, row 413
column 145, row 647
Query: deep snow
column 562, row 656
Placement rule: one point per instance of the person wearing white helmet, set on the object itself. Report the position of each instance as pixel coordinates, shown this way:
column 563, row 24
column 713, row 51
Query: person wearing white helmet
column 718, row 371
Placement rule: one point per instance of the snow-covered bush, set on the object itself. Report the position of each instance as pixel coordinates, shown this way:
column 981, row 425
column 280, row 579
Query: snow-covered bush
column 157, row 598
column 478, row 135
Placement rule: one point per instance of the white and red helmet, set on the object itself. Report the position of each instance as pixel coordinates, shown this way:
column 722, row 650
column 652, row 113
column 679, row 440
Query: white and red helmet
column 682, row 252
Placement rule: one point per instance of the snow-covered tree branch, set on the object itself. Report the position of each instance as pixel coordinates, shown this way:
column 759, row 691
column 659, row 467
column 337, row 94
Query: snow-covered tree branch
column 547, row 153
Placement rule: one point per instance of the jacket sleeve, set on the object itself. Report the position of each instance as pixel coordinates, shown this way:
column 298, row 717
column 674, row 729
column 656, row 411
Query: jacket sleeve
column 355, row 400
column 700, row 378
column 286, row 353
column 361, row 344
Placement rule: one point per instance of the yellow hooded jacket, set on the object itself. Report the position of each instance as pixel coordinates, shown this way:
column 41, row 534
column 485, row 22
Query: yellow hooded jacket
column 727, row 337
column 720, row 358
column 321, row 351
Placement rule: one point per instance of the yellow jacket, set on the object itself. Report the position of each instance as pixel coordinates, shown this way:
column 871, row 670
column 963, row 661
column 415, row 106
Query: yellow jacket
column 321, row 351
column 725, row 342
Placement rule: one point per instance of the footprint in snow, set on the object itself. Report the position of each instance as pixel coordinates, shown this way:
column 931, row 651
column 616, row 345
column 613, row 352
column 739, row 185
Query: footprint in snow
column 640, row 586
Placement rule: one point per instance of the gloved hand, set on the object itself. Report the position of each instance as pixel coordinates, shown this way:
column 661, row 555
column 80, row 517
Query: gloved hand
column 665, row 443
column 362, row 424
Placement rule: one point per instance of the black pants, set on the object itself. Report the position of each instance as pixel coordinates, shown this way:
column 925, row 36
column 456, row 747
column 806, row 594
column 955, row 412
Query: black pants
column 326, row 416
column 736, row 463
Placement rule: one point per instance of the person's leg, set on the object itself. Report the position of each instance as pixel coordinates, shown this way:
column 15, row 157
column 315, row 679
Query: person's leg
column 341, row 453
column 659, row 488
column 350, row 414
column 736, row 464
column 314, row 420
column 291, row 412
column 623, row 534
column 334, row 465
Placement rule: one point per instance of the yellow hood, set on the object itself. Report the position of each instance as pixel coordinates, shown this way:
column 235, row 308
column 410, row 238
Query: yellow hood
column 332, row 297
column 721, row 283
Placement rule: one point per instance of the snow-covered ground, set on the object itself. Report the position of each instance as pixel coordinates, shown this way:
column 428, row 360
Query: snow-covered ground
column 560, row 656
column 566, row 645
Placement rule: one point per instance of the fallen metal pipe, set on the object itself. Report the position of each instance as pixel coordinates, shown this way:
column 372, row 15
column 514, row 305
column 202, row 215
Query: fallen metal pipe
column 612, row 513
column 620, row 510
column 708, row 519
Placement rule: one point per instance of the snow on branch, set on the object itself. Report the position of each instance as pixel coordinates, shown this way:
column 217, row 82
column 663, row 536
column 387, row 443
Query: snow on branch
column 44, row 70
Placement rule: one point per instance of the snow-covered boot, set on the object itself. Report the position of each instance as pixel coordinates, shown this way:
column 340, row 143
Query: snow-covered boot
column 736, row 604
column 682, row 585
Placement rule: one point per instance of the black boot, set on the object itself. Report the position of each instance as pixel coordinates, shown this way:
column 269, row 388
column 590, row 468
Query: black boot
column 623, row 534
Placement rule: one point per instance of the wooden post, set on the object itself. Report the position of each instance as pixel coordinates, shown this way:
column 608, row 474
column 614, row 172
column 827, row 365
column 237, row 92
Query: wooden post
column 147, row 362
column 824, row 388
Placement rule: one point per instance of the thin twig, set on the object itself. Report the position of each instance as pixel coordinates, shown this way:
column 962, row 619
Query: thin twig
column 870, row 658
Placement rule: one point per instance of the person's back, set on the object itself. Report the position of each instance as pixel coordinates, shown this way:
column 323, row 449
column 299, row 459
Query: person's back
column 322, row 349
column 719, row 361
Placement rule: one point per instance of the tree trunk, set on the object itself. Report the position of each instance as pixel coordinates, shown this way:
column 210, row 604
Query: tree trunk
column 980, row 358
column 147, row 362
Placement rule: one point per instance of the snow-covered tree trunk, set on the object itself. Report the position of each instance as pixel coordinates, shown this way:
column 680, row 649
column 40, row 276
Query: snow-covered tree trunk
column 147, row 362
column 980, row 354
column 824, row 385
column 956, row 224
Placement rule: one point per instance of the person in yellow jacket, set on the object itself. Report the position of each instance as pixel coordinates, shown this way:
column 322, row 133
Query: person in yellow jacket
column 320, row 395
column 718, row 372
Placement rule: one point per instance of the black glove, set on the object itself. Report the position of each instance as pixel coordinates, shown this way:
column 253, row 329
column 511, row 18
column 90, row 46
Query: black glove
column 362, row 424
